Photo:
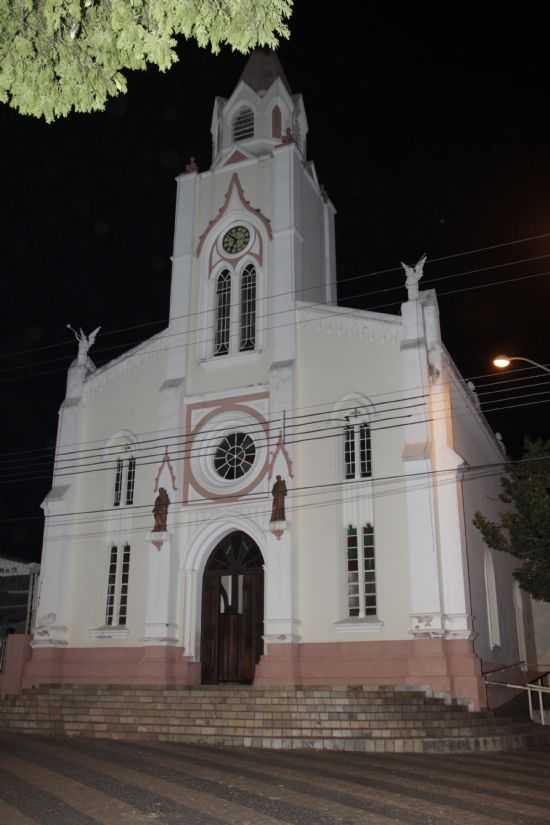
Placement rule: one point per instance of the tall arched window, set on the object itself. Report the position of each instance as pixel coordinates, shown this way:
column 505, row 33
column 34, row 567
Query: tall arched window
column 243, row 124
column 276, row 122
column 248, row 309
column 357, row 449
column 223, row 313
column 125, row 478
column 492, row 600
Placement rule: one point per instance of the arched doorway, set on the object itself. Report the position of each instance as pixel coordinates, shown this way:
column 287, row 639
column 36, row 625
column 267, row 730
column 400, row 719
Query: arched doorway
column 232, row 611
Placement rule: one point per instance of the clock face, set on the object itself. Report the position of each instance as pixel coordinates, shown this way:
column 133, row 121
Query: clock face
column 235, row 239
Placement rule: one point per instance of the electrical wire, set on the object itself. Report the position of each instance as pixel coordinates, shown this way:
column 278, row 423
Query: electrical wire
column 334, row 282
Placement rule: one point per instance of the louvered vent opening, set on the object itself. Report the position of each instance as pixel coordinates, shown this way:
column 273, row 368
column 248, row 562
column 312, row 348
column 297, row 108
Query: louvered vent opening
column 243, row 125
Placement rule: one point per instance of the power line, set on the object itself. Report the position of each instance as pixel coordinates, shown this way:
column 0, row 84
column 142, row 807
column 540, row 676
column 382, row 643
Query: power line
column 141, row 350
column 334, row 282
column 109, row 462
column 466, row 473
column 189, row 453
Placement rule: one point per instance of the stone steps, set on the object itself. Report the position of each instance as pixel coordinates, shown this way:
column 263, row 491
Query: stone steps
column 352, row 719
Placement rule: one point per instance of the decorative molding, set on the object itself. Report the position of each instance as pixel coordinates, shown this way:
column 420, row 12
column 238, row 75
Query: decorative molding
column 165, row 462
column 354, row 328
column 234, row 185
column 280, row 448
column 235, row 157
column 354, row 625
column 109, row 632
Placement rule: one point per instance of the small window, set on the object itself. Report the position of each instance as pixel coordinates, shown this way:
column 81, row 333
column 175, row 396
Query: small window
column 223, row 313
column 243, row 125
column 117, row 586
column 248, row 309
column 361, row 572
column 276, row 122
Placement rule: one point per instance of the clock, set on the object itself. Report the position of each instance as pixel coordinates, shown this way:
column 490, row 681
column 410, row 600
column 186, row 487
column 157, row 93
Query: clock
column 235, row 239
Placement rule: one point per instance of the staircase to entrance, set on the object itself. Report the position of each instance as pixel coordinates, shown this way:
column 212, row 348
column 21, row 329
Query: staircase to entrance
column 365, row 719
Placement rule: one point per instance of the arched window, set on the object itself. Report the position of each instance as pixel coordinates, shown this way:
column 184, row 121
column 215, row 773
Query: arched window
column 492, row 600
column 276, row 122
column 125, row 477
column 243, row 124
column 223, row 313
column 248, row 309
column 357, row 449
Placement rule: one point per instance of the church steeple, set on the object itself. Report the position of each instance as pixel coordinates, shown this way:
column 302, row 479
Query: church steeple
column 261, row 113
column 261, row 71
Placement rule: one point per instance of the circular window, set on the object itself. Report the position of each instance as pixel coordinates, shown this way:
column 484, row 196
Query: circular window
column 234, row 456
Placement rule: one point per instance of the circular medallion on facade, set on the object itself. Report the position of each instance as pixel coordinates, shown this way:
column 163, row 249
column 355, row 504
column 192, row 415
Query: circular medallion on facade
column 235, row 240
column 234, row 456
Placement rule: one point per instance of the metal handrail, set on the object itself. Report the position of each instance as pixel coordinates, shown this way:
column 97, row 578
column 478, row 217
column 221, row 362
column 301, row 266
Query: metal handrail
column 521, row 662
column 530, row 687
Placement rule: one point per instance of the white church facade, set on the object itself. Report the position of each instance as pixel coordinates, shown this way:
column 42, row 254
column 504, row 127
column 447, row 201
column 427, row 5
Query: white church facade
column 362, row 566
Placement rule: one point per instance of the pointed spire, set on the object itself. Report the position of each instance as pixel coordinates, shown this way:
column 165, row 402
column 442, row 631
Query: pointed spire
column 262, row 69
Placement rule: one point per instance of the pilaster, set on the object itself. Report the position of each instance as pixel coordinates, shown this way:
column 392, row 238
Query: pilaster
column 160, row 611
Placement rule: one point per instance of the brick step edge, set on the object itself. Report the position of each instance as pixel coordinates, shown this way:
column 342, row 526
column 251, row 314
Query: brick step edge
column 448, row 744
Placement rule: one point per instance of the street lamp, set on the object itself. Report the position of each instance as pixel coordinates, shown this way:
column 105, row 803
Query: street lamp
column 503, row 361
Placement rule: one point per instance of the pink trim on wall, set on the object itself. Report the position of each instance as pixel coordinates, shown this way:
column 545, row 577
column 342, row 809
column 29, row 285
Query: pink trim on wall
column 281, row 448
column 234, row 183
column 18, row 653
column 165, row 460
column 447, row 666
column 235, row 158
column 153, row 665
column 216, row 407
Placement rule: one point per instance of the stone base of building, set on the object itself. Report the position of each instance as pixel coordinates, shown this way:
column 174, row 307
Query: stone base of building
column 154, row 665
column 447, row 667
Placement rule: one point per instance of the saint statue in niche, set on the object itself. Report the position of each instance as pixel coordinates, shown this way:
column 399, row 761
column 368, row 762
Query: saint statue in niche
column 160, row 511
column 278, row 492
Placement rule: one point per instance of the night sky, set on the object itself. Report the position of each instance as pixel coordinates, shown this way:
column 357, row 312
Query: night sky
column 430, row 133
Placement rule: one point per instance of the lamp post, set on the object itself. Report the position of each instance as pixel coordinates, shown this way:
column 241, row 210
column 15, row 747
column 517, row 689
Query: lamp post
column 503, row 361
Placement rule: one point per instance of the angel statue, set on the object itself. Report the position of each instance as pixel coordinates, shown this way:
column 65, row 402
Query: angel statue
column 414, row 274
column 85, row 342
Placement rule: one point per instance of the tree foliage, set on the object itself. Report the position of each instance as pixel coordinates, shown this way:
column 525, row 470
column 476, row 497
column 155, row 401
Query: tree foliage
column 59, row 55
column 524, row 529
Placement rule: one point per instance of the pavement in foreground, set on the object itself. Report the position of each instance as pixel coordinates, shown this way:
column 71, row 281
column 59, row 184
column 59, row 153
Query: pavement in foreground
column 55, row 781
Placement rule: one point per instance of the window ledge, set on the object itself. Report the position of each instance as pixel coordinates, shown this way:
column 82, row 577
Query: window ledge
column 235, row 359
column 370, row 624
column 109, row 632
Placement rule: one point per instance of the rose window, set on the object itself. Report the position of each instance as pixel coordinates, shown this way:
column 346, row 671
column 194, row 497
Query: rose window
column 234, row 456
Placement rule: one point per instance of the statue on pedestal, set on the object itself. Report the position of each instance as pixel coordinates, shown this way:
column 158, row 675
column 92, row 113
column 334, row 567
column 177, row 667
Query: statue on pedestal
column 160, row 511
column 278, row 492
column 85, row 343
column 414, row 274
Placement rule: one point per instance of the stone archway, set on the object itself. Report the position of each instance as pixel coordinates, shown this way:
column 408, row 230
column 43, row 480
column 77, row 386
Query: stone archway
column 232, row 611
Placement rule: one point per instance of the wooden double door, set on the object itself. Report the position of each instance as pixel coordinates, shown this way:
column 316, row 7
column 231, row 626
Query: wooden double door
column 232, row 611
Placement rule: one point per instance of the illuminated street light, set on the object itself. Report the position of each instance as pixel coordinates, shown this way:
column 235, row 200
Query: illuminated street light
column 503, row 361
